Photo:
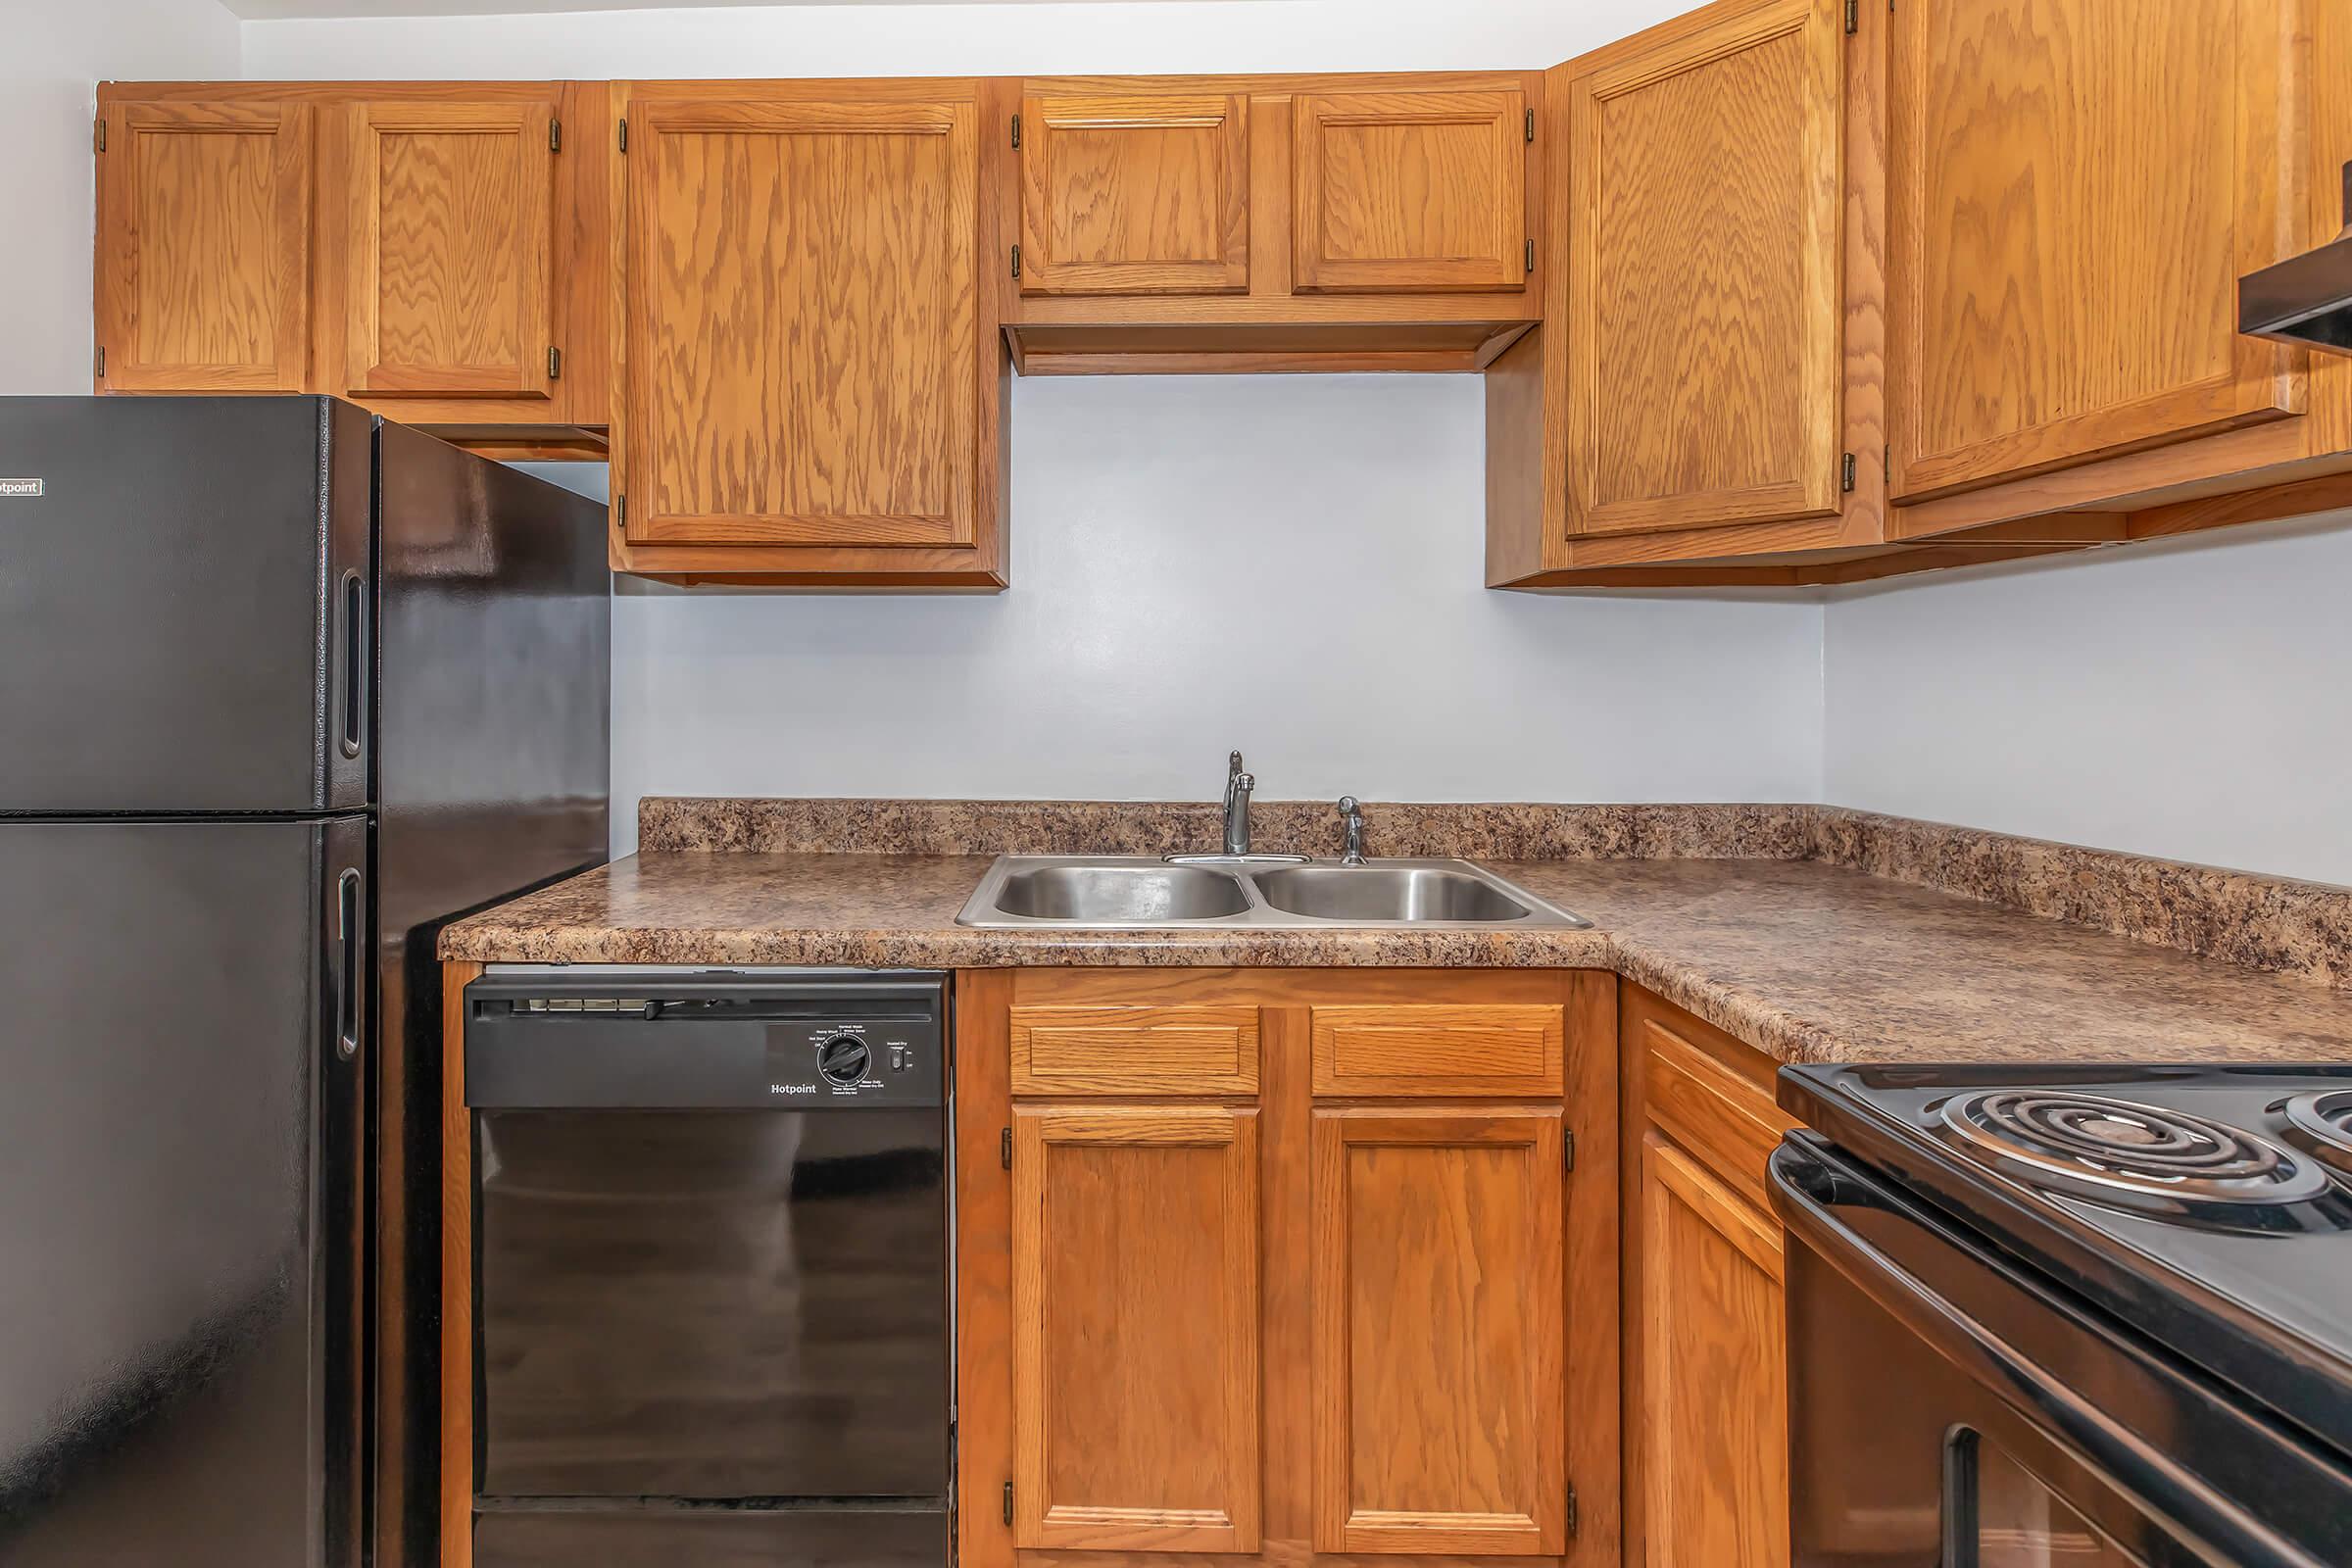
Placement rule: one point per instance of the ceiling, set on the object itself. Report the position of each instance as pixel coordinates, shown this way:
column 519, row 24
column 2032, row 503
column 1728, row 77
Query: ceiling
column 276, row 10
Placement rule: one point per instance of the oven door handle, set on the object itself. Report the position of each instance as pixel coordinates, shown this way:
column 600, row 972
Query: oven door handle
column 1808, row 1186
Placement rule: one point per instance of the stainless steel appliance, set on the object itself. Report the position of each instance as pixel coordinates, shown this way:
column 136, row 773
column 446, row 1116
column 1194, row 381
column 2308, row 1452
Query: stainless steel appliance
column 282, row 688
column 2061, row 1316
column 2307, row 299
column 711, row 1299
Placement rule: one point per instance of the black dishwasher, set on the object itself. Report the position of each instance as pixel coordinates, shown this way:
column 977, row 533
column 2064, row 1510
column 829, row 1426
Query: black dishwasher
column 711, row 1299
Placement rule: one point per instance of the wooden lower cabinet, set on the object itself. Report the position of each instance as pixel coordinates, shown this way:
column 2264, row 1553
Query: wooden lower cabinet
column 1254, row 1322
column 1706, row 1392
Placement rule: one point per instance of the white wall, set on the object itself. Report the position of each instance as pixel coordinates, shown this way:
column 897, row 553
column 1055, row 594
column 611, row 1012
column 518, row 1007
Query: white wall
column 53, row 53
column 2189, row 700
column 1290, row 564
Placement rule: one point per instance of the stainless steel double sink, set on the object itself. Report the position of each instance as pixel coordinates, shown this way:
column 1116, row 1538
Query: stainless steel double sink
column 1136, row 892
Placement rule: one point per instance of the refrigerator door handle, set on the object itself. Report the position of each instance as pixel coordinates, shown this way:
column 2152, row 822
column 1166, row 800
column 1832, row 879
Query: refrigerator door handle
column 350, row 960
column 351, row 690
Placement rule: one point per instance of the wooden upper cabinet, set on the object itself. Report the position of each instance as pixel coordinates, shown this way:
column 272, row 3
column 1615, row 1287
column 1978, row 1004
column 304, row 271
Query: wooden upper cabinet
column 1135, row 193
column 2075, row 187
column 1439, row 1338
column 451, row 249
column 203, row 259
column 1704, row 236
column 804, row 328
column 1136, row 1338
column 1409, row 192
column 1712, row 1448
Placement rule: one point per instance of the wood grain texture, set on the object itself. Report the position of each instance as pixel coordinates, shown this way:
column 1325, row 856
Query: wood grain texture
column 1194, row 1049
column 1705, row 243
column 983, row 1220
column 1436, row 1049
column 1135, row 1423
column 1440, row 1333
column 2077, row 186
column 203, row 242
column 803, row 315
column 1728, row 1123
column 1409, row 192
column 1714, row 1433
column 457, row 1274
column 1135, row 193
column 452, row 250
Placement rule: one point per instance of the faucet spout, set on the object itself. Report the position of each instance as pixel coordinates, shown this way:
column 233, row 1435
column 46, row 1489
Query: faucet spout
column 1237, row 786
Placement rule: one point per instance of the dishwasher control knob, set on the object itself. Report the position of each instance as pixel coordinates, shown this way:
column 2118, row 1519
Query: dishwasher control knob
column 842, row 1060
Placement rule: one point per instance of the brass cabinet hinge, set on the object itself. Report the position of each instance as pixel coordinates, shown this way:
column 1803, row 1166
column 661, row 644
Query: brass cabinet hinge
column 1888, row 456
column 1016, row 130
column 1008, row 1503
column 1531, row 124
column 554, row 363
column 1017, row 261
column 621, row 512
column 1853, row 16
column 554, row 135
column 1845, row 479
column 1004, row 1149
column 624, row 133
column 102, row 133
column 1567, row 1151
column 1531, row 255
column 101, row 362
column 1571, row 1520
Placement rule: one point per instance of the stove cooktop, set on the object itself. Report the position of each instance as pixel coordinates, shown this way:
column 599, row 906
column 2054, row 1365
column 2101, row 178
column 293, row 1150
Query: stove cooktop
column 2207, row 1208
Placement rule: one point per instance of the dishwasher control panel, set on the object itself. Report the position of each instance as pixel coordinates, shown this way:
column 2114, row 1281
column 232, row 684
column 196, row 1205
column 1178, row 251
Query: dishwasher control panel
column 706, row 1040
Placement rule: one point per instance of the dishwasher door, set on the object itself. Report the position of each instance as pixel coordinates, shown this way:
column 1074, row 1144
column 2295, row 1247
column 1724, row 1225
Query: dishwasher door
column 682, row 1303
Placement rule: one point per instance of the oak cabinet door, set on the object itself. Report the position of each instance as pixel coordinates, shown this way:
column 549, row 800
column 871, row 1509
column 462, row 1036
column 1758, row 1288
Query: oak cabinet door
column 2074, row 188
column 1142, row 193
column 451, row 249
column 204, row 247
column 802, row 324
column 1136, row 1339
column 1714, row 1403
column 1438, row 1377
column 1705, row 353
column 1409, row 192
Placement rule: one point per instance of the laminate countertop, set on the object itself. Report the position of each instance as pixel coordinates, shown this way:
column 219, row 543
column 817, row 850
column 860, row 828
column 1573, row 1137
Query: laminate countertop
column 1807, row 961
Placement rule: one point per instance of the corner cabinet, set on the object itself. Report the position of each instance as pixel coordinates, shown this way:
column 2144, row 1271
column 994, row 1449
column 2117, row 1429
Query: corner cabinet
column 1706, row 1392
column 811, row 383
column 435, row 251
column 1241, row 1285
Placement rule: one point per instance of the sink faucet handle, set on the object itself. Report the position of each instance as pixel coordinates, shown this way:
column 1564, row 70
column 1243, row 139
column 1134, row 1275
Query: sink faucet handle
column 1352, row 817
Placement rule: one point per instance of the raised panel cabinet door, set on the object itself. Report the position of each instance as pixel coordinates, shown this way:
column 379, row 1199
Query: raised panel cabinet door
column 1135, row 1329
column 1713, row 1430
column 1143, row 193
column 1704, row 209
column 2074, row 188
column 1409, row 192
column 451, row 249
column 803, row 315
column 1439, row 1362
column 204, row 247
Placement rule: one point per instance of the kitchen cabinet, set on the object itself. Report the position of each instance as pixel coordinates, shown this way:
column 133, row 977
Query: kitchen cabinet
column 203, row 254
column 811, row 387
column 434, row 251
column 1138, row 1424
column 1213, row 1299
column 1277, row 222
column 1706, row 1387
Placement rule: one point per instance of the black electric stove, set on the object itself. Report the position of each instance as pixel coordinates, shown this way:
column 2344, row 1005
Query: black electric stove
column 2146, row 1270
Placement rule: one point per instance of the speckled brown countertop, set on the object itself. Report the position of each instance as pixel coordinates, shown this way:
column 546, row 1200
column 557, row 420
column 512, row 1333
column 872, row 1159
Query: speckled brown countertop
column 1805, row 960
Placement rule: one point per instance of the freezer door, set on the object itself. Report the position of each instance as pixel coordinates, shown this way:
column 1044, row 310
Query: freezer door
column 184, row 585
column 181, row 1375
column 493, row 741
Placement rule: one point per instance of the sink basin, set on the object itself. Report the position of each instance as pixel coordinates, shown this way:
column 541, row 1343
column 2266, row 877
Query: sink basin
column 1132, row 892
column 1120, row 895
column 1385, row 893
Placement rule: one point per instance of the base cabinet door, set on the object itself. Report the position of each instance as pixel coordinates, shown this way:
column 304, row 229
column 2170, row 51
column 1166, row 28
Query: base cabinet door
column 1713, row 1439
column 204, row 246
column 1437, row 1407
column 803, row 327
column 1135, row 1329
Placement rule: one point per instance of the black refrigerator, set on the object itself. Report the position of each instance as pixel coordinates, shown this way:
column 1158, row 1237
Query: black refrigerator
column 283, row 688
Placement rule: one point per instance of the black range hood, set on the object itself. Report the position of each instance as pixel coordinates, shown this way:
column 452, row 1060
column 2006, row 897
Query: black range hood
column 2306, row 299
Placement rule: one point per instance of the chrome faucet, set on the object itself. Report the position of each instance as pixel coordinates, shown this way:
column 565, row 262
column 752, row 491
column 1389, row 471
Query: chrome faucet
column 1237, row 786
column 1351, row 818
